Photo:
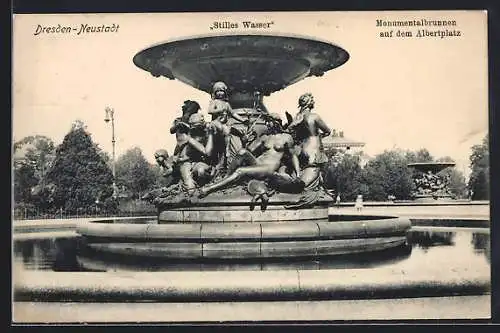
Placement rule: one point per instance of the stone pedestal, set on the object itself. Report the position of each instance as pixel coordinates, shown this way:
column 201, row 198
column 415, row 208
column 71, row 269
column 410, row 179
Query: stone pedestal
column 237, row 207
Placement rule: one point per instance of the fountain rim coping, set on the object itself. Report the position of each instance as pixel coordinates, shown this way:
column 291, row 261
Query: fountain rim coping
column 242, row 232
column 255, row 34
column 207, row 285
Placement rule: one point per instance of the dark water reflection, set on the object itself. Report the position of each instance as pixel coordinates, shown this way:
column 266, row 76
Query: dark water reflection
column 107, row 261
column 426, row 239
column 55, row 254
column 482, row 244
column 424, row 247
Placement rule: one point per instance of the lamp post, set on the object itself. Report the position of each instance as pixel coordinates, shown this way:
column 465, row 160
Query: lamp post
column 110, row 116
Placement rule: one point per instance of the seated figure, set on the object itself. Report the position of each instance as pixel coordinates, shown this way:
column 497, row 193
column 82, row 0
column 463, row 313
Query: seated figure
column 188, row 162
column 190, row 155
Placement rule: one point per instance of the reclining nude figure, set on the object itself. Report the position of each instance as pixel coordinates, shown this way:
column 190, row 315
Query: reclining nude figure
column 271, row 150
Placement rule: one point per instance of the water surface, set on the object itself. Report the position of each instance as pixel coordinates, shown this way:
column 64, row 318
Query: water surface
column 425, row 246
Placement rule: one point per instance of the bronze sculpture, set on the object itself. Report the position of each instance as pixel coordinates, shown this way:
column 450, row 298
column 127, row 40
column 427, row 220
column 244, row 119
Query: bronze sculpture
column 244, row 149
column 308, row 129
column 213, row 156
column 224, row 144
column 273, row 147
column 189, row 160
column 429, row 182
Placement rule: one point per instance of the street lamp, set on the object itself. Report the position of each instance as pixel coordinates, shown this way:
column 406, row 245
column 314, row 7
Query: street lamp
column 110, row 116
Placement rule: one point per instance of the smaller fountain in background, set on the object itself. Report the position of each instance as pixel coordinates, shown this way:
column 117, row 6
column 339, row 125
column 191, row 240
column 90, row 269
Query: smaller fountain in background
column 430, row 183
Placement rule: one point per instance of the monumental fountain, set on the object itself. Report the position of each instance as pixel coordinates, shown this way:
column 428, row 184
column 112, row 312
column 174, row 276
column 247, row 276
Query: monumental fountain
column 245, row 184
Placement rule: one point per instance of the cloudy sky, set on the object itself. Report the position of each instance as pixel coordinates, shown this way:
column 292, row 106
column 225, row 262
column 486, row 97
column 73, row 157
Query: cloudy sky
column 409, row 93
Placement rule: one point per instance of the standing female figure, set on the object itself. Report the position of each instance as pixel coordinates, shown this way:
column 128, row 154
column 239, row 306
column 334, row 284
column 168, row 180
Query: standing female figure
column 309, row 129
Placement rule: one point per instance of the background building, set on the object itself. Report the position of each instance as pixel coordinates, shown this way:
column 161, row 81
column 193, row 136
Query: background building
column 337, row 143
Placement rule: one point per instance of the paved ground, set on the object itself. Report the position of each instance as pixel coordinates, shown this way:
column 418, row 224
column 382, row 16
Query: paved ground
column 474, row 212
column 457, row 307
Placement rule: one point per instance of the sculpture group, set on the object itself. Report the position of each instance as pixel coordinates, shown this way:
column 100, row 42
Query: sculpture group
column 253, row 149
column 431, row 184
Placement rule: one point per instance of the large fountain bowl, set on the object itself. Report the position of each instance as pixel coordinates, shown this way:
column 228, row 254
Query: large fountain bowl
column 246, row 63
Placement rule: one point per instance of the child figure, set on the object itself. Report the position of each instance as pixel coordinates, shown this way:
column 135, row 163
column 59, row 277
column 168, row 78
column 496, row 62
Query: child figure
column 226, row 145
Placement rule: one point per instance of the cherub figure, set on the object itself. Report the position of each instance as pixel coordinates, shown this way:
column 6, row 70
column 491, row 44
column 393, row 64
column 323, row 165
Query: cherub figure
column 225, row 143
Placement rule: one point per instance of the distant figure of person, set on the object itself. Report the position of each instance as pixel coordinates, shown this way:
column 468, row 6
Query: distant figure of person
column 359, row 202
column 337, row 200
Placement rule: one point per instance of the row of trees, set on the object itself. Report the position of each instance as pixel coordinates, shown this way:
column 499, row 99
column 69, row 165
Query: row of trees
column 386, row 175
column 77, row 174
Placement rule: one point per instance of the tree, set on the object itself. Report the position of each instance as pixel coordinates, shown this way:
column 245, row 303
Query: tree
column 80, row 175
column 457, row 184
column 33, row 157
column 343, row 174
column 105, row 156
column 24, row 181
column 134, row 172
column 420, row 156
column 388, row 174
column 445, row 159
column 479, row 180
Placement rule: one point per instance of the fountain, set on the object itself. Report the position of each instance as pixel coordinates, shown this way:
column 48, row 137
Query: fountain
column 428, row 183
column 226, row 200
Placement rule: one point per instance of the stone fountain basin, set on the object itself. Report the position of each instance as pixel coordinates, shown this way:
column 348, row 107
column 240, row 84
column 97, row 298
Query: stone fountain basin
column 246, row 240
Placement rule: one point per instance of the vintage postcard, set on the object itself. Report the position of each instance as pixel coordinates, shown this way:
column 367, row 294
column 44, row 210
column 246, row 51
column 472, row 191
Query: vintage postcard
column 250, row 167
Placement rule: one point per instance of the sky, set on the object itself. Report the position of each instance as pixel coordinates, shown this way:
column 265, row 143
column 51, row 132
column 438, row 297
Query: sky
column 407, row 93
